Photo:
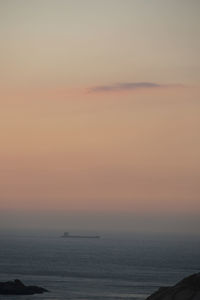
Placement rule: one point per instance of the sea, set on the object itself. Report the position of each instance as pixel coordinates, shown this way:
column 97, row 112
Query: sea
column 124, row 266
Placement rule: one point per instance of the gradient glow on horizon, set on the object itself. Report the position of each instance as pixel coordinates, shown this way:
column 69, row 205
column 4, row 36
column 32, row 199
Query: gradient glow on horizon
column 100, row 105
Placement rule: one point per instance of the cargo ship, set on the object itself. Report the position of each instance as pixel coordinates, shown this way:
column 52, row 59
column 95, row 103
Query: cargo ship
column 67, row 235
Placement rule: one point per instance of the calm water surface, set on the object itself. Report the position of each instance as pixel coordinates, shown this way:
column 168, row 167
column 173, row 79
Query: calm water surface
column 113, row 267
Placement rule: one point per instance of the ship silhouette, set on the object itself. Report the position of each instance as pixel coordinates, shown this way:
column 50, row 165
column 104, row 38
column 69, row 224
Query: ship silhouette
column 68, row 235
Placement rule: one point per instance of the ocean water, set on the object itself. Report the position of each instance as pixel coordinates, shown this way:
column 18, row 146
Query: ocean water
column 113, row 267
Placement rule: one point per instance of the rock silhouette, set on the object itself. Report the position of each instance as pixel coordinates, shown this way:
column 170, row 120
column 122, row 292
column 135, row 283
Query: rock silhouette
column 186, row 289
column 16, row 287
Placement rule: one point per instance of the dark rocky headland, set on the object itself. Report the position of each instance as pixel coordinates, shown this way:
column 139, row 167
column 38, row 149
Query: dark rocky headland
column 186, row 289
column 16, row 287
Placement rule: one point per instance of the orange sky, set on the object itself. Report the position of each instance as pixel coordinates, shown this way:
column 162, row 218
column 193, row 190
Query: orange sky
column 100, row 106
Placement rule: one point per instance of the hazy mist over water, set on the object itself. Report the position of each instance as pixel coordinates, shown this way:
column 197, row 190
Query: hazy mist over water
column 116, row 222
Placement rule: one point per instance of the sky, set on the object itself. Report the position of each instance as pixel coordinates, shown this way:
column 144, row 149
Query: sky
column 99, row 107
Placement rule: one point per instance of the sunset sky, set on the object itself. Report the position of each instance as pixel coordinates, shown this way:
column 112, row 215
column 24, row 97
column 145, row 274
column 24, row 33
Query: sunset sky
column 100, row 106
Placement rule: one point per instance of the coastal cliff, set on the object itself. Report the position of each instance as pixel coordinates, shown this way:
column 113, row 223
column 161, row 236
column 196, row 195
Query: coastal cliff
column 186, row 289
column 16, row 287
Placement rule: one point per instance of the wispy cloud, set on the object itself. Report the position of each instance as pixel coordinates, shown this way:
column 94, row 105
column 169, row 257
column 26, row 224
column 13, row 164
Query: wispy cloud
column 126, row 86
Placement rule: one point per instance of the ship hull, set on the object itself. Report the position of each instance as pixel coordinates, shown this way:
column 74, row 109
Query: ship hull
column 80, row 237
